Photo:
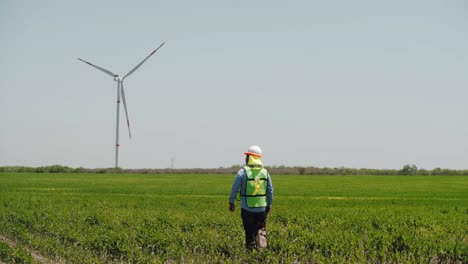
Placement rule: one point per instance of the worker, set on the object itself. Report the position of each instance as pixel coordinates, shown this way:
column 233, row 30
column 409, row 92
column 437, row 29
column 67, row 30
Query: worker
column 256, row 195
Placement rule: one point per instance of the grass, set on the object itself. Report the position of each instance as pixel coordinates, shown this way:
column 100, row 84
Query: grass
column 102, row 218
column 14, row 255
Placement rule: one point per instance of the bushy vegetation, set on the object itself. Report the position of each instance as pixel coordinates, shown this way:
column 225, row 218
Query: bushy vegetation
column 14, row 255
column 283, row 170
column 90, row 218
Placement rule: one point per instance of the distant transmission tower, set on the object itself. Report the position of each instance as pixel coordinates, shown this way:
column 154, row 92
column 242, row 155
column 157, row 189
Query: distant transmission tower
column 172, row 162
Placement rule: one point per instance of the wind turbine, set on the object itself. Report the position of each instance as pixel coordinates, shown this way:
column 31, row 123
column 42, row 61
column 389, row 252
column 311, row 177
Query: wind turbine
column 120, row 90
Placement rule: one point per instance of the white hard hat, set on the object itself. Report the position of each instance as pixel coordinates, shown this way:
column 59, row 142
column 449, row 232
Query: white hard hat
column 254, row 151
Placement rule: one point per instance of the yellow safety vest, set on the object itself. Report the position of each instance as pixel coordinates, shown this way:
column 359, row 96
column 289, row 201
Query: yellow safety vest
column 255, row 189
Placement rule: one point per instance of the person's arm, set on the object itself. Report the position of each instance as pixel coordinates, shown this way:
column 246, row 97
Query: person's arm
column 235, row 189
column 269, row 194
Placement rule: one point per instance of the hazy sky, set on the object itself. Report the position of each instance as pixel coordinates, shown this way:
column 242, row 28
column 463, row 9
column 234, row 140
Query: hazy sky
column 376, row 84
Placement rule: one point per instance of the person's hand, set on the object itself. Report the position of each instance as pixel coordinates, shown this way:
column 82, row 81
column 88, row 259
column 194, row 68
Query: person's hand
column 232, row 207
column 268, row 209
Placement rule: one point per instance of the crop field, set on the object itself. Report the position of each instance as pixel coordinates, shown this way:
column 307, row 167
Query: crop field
column 130, row 218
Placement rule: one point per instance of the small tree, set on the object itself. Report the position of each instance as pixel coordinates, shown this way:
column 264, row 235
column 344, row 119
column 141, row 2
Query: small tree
column 409, row 170
column 301, row 170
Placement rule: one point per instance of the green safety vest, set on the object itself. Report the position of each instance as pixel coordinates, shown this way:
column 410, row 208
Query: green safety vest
column 255, row 189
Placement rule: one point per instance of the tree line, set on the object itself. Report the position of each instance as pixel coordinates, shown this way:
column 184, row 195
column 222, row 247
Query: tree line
column 409, row 169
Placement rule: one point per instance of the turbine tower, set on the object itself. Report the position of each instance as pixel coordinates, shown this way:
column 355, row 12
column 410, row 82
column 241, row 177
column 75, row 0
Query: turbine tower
column 120, row 92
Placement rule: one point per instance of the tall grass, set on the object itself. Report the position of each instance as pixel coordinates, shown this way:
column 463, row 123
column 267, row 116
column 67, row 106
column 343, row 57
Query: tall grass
column 102, row 218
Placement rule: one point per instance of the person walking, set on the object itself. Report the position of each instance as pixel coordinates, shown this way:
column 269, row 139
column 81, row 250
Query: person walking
column 256, row 193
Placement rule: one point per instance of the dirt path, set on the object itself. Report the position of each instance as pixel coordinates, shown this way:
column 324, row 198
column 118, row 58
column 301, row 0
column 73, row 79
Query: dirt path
column 38, row 258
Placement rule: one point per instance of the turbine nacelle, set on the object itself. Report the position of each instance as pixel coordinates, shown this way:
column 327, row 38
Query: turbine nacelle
column 117, row 78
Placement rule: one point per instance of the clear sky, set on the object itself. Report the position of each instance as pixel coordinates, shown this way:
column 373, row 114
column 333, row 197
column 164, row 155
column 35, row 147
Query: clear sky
column 375, row 84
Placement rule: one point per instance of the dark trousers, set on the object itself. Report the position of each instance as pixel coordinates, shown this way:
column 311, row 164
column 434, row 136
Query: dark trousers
column 252, row 222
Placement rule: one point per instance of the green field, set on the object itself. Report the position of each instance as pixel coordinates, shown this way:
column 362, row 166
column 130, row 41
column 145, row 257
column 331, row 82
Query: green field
column 102, row 218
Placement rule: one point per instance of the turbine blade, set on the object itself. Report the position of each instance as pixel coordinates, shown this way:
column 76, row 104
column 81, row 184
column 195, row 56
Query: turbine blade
column 125, row 107
column 139, row 64
column 99, row 68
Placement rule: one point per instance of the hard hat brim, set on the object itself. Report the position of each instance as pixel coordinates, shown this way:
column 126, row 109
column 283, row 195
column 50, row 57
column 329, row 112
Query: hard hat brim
column 253, row 154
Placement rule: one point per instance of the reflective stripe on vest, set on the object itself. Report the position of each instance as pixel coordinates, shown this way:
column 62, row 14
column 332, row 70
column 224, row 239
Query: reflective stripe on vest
column 255, row 188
